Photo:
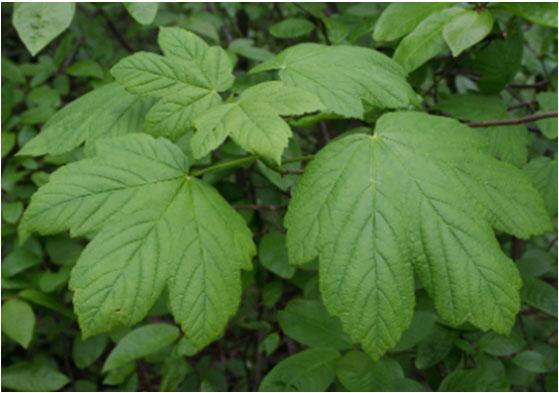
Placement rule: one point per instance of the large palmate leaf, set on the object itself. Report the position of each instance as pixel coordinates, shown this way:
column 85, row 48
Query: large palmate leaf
column 157, row 227
column 420, row 195
column 105, row 112
column 508, row 143
column 254, row 121
column 187, row 78
column 343, row 77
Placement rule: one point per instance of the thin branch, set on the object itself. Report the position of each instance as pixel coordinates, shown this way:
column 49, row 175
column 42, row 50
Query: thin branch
column 537, row 85
column 113, row 29
column 521, row 104
column 70, row 58
column 511, row 122
column 224, row 165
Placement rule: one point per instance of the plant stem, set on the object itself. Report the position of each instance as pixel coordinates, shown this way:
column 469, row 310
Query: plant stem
column 224, row 165
column 244, row 160
column 510, row 122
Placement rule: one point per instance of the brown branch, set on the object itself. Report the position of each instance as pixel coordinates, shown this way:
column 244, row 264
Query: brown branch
column 537, row 85
column 521, row 104
column 70, row 58
column 510, row 122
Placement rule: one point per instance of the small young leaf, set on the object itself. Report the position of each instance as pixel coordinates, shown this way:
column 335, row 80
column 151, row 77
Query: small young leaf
column 33, row 378
column 467, row 29
column 18, row 321
column 312, row 370
column 308, row 322
column 143, row 13
column 86, row 352
column 272, row 253
column 539, row 294
column 435, row 347
column 426, row 40
column 292, row 28
column 399, row 19
column 37, row 24
column 141, row 342
column 357, row 372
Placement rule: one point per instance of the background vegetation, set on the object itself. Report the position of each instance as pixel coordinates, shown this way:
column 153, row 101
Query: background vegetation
column 509, row 75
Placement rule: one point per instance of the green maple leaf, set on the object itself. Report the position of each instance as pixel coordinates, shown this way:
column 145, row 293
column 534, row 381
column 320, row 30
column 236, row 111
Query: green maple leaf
column 188, row 79
column 157, row 227
column 343, row 77
column 254, row 121
column 104, row 112
column 419, row 196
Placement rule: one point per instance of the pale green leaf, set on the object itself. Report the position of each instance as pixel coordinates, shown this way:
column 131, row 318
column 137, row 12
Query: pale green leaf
column 347, row 77
column 141, row 342
column 37, row 24
column 508, row 143
column 153, row 221
column 254, row 121
column 426, row 40
column 105, row 112
column 312, row 370
column 292, row 28
column 18, row 321
column 143, row 13
column 421, row 195
column 399, row 19
column 33, row 378
column 467, row 29
column 542, row 171
column 308, row 322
